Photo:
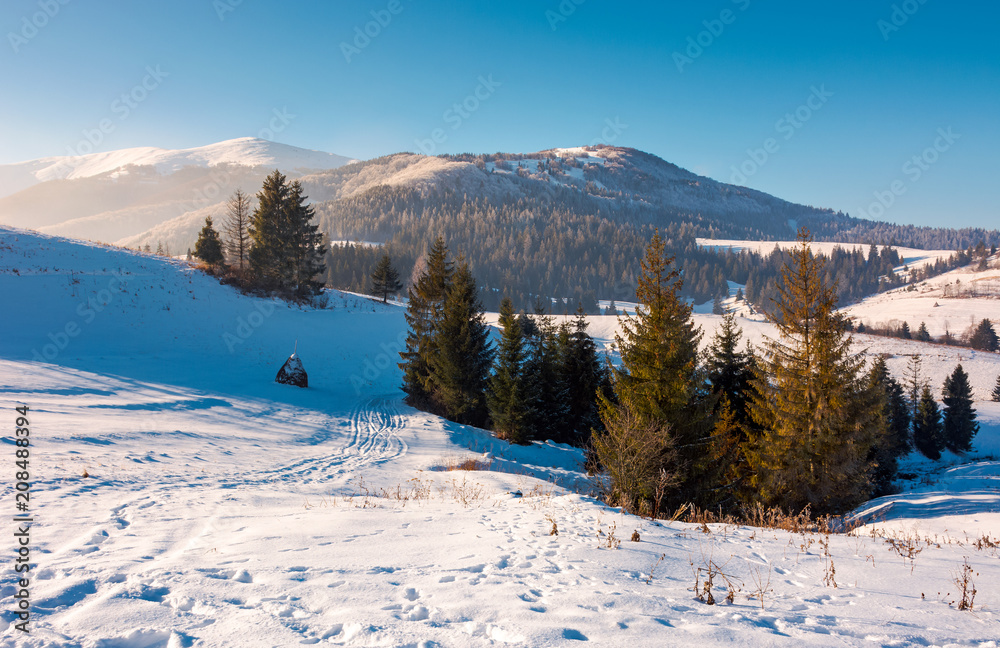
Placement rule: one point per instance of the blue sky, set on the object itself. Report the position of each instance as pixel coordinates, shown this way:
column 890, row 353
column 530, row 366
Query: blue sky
column 880, row 109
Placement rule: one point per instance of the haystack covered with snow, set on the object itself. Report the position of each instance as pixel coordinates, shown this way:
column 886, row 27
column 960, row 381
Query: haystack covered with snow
column 292, row 373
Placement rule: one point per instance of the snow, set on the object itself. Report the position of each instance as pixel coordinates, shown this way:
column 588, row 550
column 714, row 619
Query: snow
column 223, row 509
column 913, row 257
column 249, row 151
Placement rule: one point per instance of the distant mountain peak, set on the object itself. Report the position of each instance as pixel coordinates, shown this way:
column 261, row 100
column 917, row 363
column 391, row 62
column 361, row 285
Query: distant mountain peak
column 246, row 151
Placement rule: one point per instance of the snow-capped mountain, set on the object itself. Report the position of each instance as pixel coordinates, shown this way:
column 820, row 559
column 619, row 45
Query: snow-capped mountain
column 245, row 151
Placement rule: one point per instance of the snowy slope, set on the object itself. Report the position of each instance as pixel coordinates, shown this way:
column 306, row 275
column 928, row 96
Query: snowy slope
column 248, row 151
column 222, row 509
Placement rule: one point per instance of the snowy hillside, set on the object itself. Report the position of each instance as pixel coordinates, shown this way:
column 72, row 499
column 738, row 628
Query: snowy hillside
column 247, row 151
column 182, row 498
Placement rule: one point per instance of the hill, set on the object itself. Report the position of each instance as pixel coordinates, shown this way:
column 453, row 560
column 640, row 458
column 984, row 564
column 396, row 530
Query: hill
column 181, row 496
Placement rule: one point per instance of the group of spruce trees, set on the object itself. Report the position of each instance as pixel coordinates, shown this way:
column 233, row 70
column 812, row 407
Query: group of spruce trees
column 276, row 248
column 540, row 382
column 799, row 423
column 935, row 429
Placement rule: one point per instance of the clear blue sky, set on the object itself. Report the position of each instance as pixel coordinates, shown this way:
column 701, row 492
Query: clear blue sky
column 564, row 70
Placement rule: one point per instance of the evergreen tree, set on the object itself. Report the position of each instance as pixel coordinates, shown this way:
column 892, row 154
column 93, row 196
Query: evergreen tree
column 611, row 310
column 914, row 383
column 237, row 229
column 507, row 395
column 584, row 376
column 895, row 413
column 658, row 380
column 426, row 301
column 208, row 248
column 819, row 416
column 548, row 396
column 984, row 338
column 306, row 245
column 270, row 234
column 996, row 391
column 460, row 366
column 959, row 416
column 928, row 433
column 717, row 307
column 385, row 279
column 922, row 333
column 730, row 373
column 904, row 331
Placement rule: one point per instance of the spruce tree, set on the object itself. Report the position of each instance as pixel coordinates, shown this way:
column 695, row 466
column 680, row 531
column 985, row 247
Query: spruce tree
column 506, row 395
column 658, row 380
column 914, row 383
column 818, row 414
column 208, row 248
column 460, row 365
column 730, row 374
column 584, row 375
column 996, row 391
column 959, row 416
column 548, row 396
column 306, row 246
column 895, row 412
column 611, row 310
column 928, row 433
column 984, row 338
column 426, row 301
column 270, row 235
column 922, row 333
column 385, row 279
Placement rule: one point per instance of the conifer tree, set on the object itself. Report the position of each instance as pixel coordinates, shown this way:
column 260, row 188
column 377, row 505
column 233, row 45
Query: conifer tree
column 385, row 278
column 984, row 338
column 996, row 391
column 584, row 376
column 426, row 301
column 928, row 433
column 730, row 374
column 460, row 365
column 959, row 423
column 306, row 244
column 237, row 229
column 548, row 397
column 819, row 416
column 208, row 248
column 914, row 383
column 658, row 381
column 611, row 310
column 922, row 333
column 507, row 395
column 270, row 234
column 895, row 413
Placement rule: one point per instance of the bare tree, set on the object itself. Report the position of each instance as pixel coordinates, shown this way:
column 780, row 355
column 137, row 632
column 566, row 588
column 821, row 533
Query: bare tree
column 237, row 228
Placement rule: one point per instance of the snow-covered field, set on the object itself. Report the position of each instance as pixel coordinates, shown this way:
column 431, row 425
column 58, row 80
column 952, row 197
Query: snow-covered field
column 222, row 509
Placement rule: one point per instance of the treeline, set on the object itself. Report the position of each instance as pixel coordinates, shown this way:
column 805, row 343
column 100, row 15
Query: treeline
column 543, row 250
column 540, row 382
column 981, row 337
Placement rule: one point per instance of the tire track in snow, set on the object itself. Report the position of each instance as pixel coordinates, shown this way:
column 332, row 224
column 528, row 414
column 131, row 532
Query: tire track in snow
column 372, row 439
